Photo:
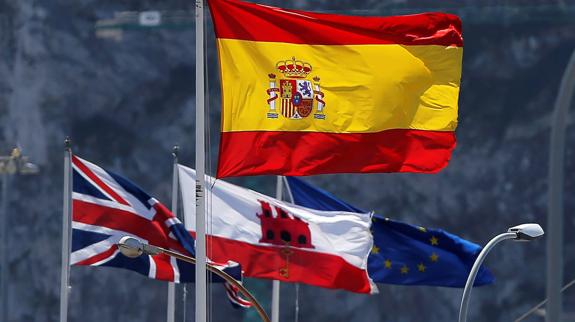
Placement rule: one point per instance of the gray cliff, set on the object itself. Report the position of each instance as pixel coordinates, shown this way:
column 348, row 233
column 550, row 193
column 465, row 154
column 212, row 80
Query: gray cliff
column 126, row 102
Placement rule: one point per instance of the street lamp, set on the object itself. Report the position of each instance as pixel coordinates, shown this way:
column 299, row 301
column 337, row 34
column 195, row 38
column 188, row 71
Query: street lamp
column 525, row 232
column 13, row 164
column 132, row 247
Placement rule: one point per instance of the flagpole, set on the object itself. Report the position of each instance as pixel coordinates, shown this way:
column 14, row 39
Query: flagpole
column 175, row 196
column 4, row 247
column 201, row 302
column 296, row 304
column 184, row 287
column 171, row 307
column 276, row 284
column 66, row 217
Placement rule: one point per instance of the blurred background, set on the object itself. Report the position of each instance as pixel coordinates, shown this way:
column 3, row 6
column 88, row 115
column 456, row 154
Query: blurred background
column 121, row 85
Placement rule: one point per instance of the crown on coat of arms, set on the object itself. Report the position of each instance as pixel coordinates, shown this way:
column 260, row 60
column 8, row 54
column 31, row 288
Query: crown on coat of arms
column 293, row 68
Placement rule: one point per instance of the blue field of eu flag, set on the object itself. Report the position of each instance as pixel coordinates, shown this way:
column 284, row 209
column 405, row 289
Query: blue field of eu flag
column 402, row 253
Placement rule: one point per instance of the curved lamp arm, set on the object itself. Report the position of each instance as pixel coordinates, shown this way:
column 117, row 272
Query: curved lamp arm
column 524, row 232
column 471, row 278
column 132, row 247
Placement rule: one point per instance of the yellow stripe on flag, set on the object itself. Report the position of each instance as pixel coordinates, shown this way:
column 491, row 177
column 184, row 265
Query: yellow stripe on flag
column 367, row 88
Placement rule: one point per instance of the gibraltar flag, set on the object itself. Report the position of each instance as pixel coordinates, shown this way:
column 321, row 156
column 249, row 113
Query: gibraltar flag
column 281, row 241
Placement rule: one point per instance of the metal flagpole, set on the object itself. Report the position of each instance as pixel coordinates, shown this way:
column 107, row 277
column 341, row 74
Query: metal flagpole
column 276, row 284
column 4, row 254
column 201, row 283
column 66, row 218
column 555, row 202
column 171, row 308
column 296, row 304
column 183, row 287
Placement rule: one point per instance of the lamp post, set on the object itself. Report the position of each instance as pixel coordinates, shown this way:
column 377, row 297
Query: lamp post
column 15, row 163
column 555, row 215
column 525, row 232
column 132, row 247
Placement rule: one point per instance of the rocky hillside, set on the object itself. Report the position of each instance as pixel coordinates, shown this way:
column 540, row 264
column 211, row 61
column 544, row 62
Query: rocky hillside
column 126, row 100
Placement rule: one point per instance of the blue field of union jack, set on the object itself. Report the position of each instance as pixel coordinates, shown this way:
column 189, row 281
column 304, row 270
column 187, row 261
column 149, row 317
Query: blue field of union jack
column 107, row 207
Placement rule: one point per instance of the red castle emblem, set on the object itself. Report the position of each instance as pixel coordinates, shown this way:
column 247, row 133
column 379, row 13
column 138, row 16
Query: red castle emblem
column 284, row 229
column 297, row 95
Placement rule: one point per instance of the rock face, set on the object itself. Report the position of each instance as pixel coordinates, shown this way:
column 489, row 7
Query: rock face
column 125, row 103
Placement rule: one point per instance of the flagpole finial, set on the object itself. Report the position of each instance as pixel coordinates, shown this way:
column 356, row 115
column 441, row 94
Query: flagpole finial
column 175, row 150
column 67, row 143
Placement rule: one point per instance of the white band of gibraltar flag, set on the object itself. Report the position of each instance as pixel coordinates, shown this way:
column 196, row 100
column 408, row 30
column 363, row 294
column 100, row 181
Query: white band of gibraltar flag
column 281, row 241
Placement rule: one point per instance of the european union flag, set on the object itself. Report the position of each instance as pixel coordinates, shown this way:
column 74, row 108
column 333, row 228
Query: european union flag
column 402, row 253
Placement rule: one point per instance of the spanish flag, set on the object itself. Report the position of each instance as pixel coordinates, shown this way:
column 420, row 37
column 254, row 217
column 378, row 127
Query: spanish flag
column 306, row 93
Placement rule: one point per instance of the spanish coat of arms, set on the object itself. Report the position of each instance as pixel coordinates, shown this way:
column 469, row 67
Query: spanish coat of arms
column 298, row 96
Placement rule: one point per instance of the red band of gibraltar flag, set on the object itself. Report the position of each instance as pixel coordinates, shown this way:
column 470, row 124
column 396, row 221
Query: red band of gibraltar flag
column 306, row 93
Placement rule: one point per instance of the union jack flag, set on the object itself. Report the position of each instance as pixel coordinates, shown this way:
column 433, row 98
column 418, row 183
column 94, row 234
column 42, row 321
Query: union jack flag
column 107, row 207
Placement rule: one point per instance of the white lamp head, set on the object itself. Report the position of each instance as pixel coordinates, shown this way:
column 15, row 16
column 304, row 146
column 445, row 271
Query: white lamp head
column 130, row 247
column 527, row 232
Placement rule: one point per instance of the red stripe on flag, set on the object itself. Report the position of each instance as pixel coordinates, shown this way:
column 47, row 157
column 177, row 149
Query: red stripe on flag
column 97, row 258
column 163, row 214
column 313, row 268
column 311, row 153
column 77, row 162
column 116, row 219
column 164, row 269
column 248, row 21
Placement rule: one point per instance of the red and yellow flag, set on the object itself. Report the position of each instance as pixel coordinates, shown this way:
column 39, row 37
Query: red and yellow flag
column 307, row 93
